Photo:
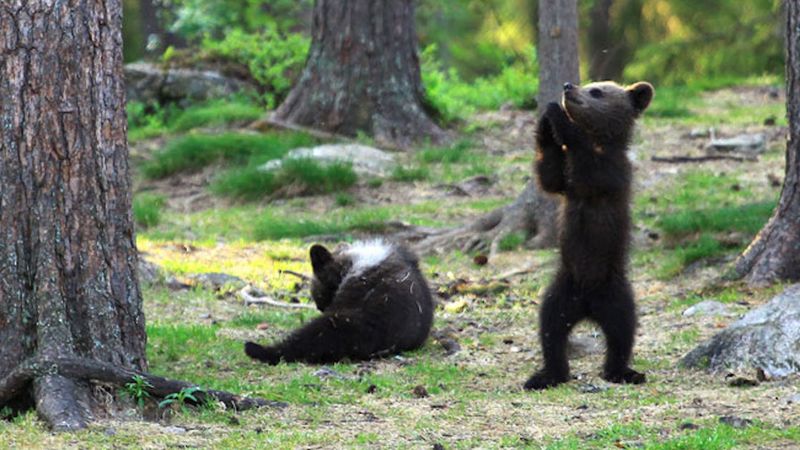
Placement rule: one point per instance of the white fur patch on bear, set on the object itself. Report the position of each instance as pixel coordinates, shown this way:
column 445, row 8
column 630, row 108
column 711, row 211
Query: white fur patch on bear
column 366, row 254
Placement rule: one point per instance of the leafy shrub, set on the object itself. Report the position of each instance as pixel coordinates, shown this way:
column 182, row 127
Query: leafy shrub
column 147, row 209
column 273, row 60
column 196, row 151
column 454, row 98
column 295, row 177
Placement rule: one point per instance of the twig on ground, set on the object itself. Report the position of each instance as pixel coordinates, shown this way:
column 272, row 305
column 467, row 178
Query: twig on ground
column 250, row 299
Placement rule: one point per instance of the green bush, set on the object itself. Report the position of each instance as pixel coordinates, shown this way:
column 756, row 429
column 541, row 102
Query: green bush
column 195, row 151
column 273, row 60
column 454, row 98
column 147, row 209
column 295, row 177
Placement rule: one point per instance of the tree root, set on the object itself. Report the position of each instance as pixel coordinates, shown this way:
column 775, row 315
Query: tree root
column 531, row 213
column 59, row 402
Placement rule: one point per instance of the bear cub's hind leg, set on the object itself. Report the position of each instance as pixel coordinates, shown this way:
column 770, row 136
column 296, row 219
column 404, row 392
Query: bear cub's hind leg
column 615, row 313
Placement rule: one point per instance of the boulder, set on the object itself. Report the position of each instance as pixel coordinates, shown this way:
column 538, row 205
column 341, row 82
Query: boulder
column 747, row 145
column 151, row 83
column 367, row 161
column 767, row 337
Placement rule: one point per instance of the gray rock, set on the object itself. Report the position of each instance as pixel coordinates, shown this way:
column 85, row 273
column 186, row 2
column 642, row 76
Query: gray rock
column 708, row 308
column 793, row 399
column 149, row 273
column 219, row 281
column 748, row 145
column 767, row 337
column 366, row 161
column 151, row 83
column 581, row 345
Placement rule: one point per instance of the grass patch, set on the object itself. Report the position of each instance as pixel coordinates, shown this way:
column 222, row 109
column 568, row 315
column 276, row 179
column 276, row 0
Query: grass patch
column 455, row 153
column 343, row 200
column 147, row 209
column 410, row 174
column 705, row 247
column 195, row 151
column 747, row 218
column 295, row 177
column 274, row 226
column 217, row 113
column 511, row 241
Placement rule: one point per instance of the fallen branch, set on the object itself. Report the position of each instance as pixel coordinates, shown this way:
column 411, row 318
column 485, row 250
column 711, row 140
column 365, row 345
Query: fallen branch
column 298, row 275
column 90, row 370
column 250, row 299
column 695, row 159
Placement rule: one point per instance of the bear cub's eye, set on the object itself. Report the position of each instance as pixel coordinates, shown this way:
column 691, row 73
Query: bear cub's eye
column 596, row 93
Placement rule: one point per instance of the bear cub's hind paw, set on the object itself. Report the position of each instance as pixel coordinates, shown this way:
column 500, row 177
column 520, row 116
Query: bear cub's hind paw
column 543, row 380
column 261, row 353
column 626, row 376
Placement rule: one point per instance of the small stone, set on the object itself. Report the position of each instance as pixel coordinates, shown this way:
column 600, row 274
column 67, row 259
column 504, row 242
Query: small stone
column 480, row 260
column 371, row 389
column 589, row 388
column 735, row 422
column 793, row 399
column 175, row 430
column 707, row 308
column 327, row 372
column 110, row 431
column 420, row 391
column 688, row 426
column 262, row 326
column 769, row 121
column 438, row 446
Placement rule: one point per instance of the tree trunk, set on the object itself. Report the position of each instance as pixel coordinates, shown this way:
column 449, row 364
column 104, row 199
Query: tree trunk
column 362, row 74
column 69, row 284
column 70, row 304
column 557, row 48
column 774, row 254
column 602, row 49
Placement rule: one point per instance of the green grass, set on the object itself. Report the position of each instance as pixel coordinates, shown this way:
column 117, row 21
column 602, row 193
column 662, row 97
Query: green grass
column 748, row 218
column 148, row 121
column 410, row 174
column 147, row 209
column 458, row 152
column 294, row 177
column 195, row 151
column 217, row 113
column 680, row 257
column 511, row 241
column 272, row 226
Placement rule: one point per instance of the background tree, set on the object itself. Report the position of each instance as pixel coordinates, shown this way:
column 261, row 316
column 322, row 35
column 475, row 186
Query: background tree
column 533, row 212
column 362, row 74
column 70, row 304
column 774, row 254
column 557, row 48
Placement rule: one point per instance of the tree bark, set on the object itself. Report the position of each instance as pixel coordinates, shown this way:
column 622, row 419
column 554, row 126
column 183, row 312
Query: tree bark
column 362, row 74
column 557, row 48
column 69, row 287
column 774, row 254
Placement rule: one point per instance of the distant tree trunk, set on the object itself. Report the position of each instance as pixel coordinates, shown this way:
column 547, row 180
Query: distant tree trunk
column 70, row 304
column 557, row 48
column 602, row 48
column 774, row 254
column 362, row 74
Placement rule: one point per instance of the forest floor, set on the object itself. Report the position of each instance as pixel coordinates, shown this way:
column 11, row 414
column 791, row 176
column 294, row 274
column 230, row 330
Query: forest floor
column 472, row 397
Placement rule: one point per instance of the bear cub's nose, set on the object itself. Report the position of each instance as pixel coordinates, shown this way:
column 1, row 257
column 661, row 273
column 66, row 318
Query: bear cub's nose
column 568, row 87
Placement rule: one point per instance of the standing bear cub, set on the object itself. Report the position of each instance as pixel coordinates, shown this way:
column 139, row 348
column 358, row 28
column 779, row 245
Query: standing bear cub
column 374, row 302
column 581, row 157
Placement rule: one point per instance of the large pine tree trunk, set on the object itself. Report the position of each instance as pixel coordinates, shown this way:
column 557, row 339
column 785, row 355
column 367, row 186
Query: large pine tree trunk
column 362, row 74
column 774, row 254
column 69, row 285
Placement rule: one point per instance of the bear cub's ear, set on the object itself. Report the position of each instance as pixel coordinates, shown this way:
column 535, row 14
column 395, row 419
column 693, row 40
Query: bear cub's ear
column 320, row 257
column 641, row 94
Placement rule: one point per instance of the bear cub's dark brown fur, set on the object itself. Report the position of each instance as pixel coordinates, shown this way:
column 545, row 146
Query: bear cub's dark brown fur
column 374, row 302
column 581, row 157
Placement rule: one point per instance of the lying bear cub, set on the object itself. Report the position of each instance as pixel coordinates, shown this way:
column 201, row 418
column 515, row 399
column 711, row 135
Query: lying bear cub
column 374, row 302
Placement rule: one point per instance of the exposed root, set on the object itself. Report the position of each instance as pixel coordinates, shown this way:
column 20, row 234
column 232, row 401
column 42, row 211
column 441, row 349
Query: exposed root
column 531, row 213
column 60, row 399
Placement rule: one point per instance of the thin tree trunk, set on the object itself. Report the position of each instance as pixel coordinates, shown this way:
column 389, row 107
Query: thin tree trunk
column 69, row 287
column 774, row 254
column 362, row 74
column 557, row 48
